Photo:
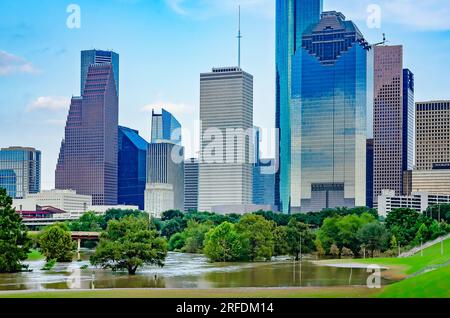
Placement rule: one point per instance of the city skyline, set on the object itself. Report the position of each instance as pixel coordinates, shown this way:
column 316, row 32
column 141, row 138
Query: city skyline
column 43, row 75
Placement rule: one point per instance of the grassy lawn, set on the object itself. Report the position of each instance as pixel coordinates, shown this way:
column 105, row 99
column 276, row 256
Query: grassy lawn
column 35, row 255
column 434, row 284
column 402, row 267
column 326, row 292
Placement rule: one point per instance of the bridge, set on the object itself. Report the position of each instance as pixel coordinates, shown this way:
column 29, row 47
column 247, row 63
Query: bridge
column 78, row 236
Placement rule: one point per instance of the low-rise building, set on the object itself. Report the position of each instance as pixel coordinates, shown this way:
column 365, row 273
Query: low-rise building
column 65, row 200
column 419, row 201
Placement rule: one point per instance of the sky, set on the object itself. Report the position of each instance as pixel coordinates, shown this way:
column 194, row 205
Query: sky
column 164, row 45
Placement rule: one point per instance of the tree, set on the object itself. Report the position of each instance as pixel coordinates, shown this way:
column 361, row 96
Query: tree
column 171, row 214
column 223, row 244
column 88, row 222
column 334, row 250
column 176, row 225
column 403, row 223
column 128, row 244
column 299, row 235
column 280, row 241
column 56, row 243
column 194, row 236
column 14, row 242
column 177, row 242
column 257, row 236
column 342, row 231
column 118, row 214
column 373, row 236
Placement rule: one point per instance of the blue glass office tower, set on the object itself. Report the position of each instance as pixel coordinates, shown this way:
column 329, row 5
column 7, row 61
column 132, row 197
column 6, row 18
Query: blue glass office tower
column 293, row 17
column 132, row 167
column 165, row 128
column 332, row 89
column 20, row 171
column 90, row 57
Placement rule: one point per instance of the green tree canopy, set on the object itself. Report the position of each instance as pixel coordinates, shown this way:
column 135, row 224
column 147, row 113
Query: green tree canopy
column 195, row 234
column 14, row 242
column 373, row 236
column 128, row 244
column 88, row 222
column 172, row 214
column 257, row 235
column 223, row 244
column 299, row 235
column 56, row 243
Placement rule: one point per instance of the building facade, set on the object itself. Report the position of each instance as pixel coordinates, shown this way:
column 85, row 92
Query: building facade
column 165, row 165
column 264, row 182
column 20, row 171
column 433, row 135
column 393, row 120
column 330, row 96
column 89, row 57
column 293, row 17
column 88, row 159
column 191, row 169
column 165, row 128
column 66, row 200
column 132, row 167
column 369, row 173
column 436, row 181
column 226, row 138
column 419, row 201
column 159, row 198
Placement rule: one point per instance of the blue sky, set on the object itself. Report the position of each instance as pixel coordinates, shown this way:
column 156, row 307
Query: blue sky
column 164, row 45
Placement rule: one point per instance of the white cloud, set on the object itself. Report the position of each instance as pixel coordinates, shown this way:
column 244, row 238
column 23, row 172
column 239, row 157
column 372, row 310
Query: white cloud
column 177, row 109
column 211, row 8
column 12, row 64
column 49, row 103
column 427, row 15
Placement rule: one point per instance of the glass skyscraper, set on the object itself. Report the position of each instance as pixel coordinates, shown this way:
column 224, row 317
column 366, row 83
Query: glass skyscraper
column 394, row 122
column 20, row 171
column 165, row 128
column 293, row 17
column 90, row 57
column 88, row 160
column 132, row 167
column 331, row 92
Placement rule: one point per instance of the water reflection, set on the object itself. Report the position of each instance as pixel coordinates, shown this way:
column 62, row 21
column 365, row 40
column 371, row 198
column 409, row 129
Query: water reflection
column 185, row 271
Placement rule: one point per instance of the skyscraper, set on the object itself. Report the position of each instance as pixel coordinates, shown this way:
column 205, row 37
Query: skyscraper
column 191, row 185
column 293, row 17
column 432, row 147
column 264, row 182
column 226, row 145
column 331, row 92
column 20, row 171
column 369, row 173
column 433, row 135
column 88, row 159
column 165, row 166
column 393, row 120
column 165, row 128
column 90, row 57
column 132, row 167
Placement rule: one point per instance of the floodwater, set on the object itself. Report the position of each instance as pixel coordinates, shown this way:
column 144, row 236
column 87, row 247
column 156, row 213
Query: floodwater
column 185, row 271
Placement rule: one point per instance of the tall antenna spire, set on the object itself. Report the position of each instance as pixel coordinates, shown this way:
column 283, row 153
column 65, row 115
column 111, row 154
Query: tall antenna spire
column 239, row 39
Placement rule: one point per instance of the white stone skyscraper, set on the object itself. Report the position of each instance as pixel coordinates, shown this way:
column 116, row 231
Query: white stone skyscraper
column 226, row 141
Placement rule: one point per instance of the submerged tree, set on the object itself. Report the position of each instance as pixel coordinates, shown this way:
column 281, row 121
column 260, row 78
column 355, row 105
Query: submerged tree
column 128, row 244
